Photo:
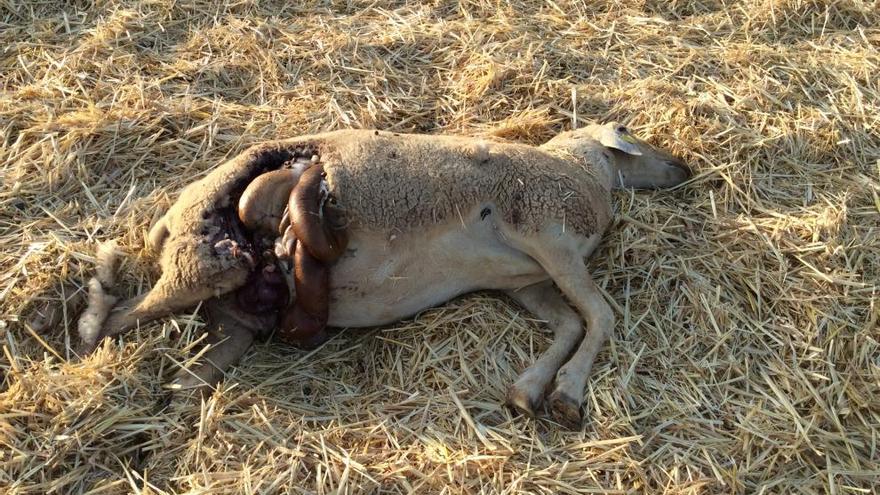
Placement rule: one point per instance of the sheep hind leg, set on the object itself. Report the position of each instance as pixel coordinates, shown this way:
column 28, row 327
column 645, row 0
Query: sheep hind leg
column 163, row 299
column 544, row 301
column 230, row 335
column 158, row 302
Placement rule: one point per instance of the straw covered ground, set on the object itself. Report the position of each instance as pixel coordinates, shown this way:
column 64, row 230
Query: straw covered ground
column 745, row 357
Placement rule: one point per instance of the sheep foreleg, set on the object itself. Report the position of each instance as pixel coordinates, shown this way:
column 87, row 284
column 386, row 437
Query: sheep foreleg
column 545, row 302
column 575, row 282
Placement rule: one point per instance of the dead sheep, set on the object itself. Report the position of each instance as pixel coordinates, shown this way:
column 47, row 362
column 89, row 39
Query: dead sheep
column 426, row 218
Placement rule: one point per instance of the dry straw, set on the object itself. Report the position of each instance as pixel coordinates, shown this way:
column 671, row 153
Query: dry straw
column 745, row 359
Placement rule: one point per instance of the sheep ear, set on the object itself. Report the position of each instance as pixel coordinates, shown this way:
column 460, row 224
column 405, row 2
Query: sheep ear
column 619, row 138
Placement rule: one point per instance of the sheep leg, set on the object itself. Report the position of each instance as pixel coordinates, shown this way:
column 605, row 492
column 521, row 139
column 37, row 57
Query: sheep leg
column 192, row 271
column 230, row 335
column 574, row 280
column 571, row 379
column 562, row 256
column 163, row 299
column 158, row 302
column 545, row 302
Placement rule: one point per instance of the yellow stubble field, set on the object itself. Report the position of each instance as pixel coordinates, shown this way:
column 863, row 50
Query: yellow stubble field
column 745, row 355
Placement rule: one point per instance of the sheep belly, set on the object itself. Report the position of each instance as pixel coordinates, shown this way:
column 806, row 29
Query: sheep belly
column 382, row 278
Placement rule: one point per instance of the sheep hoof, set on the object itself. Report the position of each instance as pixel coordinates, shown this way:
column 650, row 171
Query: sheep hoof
column 565, row 410
column 522, row 401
